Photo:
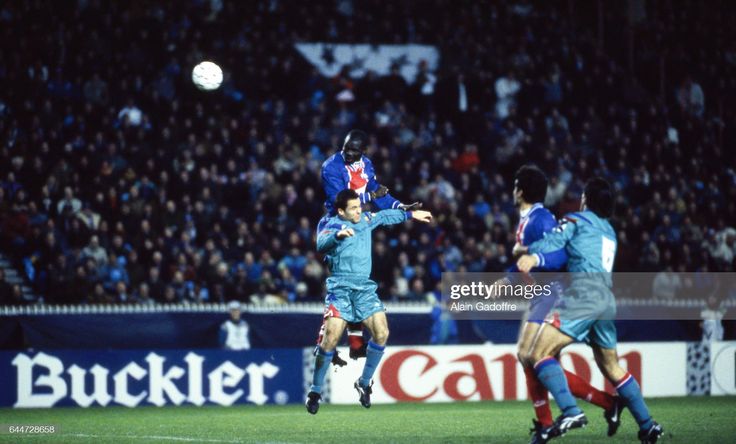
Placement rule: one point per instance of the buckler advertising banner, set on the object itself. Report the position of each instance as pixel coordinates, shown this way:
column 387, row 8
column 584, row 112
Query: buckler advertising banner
column 491, row 372
column 134, row 378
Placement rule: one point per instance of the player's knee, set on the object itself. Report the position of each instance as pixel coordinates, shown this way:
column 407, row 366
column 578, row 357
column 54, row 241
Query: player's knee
column 330, row 339
column 535, row 356
column 525, row 358
column 380, row 336
column 528, row 359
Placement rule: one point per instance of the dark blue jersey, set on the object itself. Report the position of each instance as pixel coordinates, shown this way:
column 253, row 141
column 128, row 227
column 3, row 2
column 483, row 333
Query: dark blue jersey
column 359, row 176
column 532, row 227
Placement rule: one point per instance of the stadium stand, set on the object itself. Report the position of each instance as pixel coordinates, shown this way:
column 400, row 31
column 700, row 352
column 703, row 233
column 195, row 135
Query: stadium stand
column 121, row 183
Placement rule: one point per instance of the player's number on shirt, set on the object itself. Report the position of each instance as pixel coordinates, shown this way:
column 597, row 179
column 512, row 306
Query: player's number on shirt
column 608, row 253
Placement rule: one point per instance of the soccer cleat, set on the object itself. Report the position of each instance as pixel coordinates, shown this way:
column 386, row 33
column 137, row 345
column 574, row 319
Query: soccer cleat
column 541, row 434
column 338, row 361
column 356, row 353
column 613, row 416
column 312, row 404
column 365, row 393
column 651, row 435
column 565, row 423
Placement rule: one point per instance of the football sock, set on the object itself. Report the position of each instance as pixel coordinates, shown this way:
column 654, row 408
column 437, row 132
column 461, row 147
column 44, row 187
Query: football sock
column 550, row 373
column 538, row 395
column 321, row 332
column 322, row 363
column 582, row 390
column 373, row 355
column 629, row 390
column 355, row 336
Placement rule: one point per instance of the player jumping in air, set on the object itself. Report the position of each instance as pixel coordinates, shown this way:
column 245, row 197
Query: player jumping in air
column 530, row 188
column 351, row 295
column 585, row 311
column 350, row 169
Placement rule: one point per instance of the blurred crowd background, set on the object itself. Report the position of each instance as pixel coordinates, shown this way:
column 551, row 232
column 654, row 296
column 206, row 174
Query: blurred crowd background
column 121, row 183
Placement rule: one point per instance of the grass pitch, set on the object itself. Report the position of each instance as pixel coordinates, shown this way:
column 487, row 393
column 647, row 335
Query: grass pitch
column 686, row 420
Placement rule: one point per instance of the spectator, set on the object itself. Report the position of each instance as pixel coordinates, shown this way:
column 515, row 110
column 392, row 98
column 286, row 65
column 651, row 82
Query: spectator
column 95, row 252
column 6, row 290
column 234, row 331
column 666, row 285
column 690, row 98
column 506, row 88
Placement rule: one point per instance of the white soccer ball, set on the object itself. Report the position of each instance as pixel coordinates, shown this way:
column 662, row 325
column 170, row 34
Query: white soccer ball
column 207, row 76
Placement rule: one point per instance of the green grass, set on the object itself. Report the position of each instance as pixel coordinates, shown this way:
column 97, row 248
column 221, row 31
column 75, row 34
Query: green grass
column 686, row 420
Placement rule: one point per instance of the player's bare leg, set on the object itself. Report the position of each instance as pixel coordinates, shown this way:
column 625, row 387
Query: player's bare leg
column 377, row 324
column 336, row 359
column 334, row 328
column 537, row 391
column 548, row 343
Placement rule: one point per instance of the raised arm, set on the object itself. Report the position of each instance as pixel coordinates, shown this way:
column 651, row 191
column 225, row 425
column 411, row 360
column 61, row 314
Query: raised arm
column 391, row 217
column 330, row 235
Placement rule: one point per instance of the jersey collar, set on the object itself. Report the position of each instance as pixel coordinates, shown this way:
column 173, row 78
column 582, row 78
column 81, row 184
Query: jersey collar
column 530, row 210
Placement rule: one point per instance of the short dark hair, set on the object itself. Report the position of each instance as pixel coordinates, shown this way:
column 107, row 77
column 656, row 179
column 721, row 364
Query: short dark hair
column 599, row 197
column 341, row 201
column 355, row 140
column 532, row 182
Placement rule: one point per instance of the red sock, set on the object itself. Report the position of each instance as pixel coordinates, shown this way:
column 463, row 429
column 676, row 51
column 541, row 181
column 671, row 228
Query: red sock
column 355, row 336
column 582, row 390
column 321, row 332
column 538, row 394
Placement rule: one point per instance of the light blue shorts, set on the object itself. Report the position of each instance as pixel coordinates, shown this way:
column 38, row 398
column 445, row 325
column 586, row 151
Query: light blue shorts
column 602, row 333
column 586, row 313
column 352, row 299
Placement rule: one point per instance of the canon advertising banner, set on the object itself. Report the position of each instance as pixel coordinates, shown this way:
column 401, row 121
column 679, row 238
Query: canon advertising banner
column 491, row 372
column 150, row 377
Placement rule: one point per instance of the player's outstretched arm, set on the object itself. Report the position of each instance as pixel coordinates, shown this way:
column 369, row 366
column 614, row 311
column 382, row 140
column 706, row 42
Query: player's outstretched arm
column 421, row 216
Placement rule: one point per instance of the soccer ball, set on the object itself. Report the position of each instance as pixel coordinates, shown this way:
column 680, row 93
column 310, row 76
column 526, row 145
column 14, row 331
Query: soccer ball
column 207, row 76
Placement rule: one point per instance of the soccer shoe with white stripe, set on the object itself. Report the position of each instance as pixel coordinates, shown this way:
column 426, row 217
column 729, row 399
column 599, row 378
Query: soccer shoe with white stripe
column 613, row 416
column 364, row 393
column 565, row 423
column 312, row 404
column 651, row 435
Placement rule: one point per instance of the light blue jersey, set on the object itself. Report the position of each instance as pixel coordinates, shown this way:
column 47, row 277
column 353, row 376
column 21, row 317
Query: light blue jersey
column 587, row 309
column 351, row 295
column 590, row 243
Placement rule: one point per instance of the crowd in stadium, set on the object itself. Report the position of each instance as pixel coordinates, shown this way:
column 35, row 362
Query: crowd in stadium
column 121, row 183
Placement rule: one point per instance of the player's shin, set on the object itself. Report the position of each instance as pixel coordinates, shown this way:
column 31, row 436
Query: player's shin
column 321, row 365
column 582, row 390
column 629, row 390
column 550, row 373
column 538, row 395
column 373, row 355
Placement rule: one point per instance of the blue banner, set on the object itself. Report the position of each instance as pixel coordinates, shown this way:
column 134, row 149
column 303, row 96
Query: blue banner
column 133, row 378
column 180, row 330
